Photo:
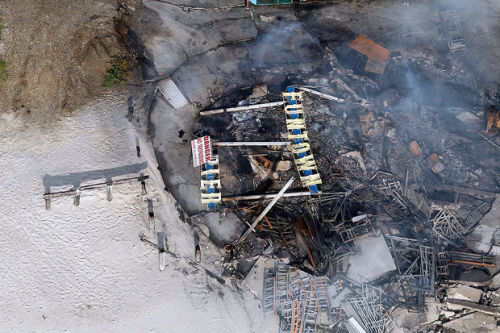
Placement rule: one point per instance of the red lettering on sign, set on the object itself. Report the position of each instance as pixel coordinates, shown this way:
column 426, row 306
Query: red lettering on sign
column 202, row 150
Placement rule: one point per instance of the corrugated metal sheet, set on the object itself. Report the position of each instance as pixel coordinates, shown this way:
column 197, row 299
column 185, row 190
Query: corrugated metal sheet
column 172, row 93
column 377, row 55
column 370, row 49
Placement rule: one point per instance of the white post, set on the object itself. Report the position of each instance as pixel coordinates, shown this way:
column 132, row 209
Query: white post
column 236, row 144
column 323, row 95
column 109, row 193
column 269, row 196
column 241, row 108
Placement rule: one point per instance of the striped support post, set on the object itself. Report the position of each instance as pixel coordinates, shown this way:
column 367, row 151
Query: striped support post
column 301, row 149
column 210, row 184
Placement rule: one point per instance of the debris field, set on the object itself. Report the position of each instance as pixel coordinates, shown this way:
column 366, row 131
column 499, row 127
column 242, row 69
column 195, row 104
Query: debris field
column 367, row 183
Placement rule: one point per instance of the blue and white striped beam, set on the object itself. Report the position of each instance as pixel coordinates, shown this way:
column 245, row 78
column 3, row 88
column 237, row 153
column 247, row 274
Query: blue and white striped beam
column 297, row 133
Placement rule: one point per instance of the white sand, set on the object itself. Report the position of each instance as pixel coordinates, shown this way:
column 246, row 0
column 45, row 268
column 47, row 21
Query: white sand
column 84, row 268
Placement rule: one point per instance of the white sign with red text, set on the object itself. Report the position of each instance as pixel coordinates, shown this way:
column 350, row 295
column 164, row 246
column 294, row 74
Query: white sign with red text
column 202, row 150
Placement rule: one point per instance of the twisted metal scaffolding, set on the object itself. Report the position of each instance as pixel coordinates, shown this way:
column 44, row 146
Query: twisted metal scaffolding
column 297, row 298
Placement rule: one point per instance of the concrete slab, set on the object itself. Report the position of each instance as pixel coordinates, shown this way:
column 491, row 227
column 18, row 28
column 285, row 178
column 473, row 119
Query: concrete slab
column 487, row 234
column 465, row 292
column 373, row 261
column 473, row 323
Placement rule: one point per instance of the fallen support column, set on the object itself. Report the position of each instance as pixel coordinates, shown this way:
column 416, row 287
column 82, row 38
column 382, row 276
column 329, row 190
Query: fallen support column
column 266, row 210
column 323, row 95
column 241, row 108
column 237, row 144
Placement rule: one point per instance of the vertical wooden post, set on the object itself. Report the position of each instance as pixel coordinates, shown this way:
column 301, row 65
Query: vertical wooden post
column 151, row 214
column 137, row 147
column 76, row 198
column 109, row 192
column 197, row 249
column 161, row 249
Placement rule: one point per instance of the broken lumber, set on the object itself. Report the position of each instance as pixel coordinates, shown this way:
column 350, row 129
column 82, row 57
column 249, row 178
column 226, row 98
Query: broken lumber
column 241, row 108
column 266, row 210
column 323, row 95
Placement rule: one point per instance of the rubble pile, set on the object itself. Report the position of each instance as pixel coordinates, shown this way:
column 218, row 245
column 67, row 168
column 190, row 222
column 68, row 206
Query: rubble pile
column 401, row 190
column 345, row 152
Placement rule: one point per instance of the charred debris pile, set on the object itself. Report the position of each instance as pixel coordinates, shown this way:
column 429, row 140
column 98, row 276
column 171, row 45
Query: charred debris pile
column 392, row 173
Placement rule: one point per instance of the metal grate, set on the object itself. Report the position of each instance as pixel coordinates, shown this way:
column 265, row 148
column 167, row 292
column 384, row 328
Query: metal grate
column 172, row 93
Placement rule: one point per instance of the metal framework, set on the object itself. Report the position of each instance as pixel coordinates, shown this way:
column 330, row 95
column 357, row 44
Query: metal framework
column 368, row 310
column 447, row 226
column 442, row 262
column 394, row 191
column 453, row 30
column 298, row 299
column 269, row 291
column 356, row 231
column 416, row 265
